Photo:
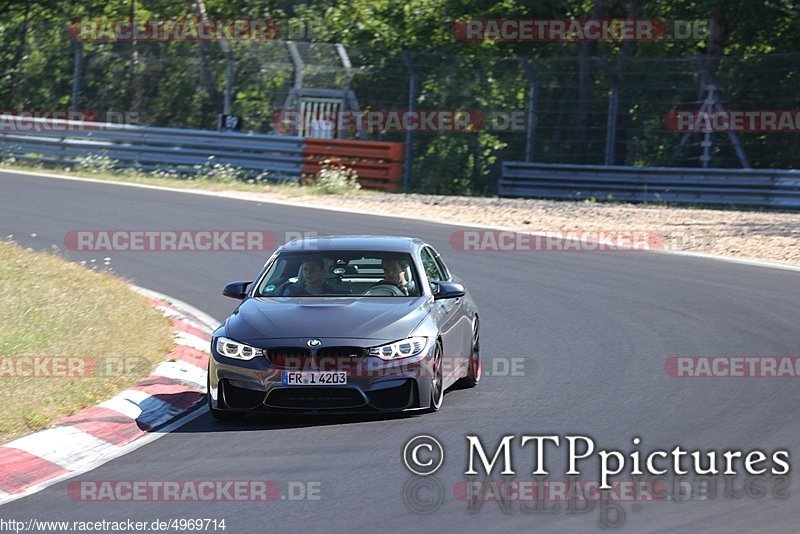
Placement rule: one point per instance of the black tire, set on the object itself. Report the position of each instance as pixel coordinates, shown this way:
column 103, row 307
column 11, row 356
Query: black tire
column 475, row 368
column 437, row 382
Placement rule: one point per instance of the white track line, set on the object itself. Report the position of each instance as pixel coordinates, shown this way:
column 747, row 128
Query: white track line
column 172, row 314
column 209, row 321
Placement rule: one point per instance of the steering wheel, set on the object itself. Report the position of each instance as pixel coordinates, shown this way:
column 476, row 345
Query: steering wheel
column 380, row 290
column 279, row 291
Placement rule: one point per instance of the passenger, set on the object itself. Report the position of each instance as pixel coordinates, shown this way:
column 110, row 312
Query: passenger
column 314, row 276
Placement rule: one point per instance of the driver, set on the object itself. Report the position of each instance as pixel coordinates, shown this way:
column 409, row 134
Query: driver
column 315, row 284
column 394, row 274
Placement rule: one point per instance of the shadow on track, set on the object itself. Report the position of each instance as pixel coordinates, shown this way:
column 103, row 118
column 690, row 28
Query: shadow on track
column 266, row 421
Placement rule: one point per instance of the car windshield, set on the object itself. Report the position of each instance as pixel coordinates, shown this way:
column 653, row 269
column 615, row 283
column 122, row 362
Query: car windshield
column 340, row 273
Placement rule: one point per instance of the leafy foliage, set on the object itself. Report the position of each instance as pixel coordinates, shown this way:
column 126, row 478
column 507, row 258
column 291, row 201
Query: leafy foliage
column 750, row 48
column 334, row 178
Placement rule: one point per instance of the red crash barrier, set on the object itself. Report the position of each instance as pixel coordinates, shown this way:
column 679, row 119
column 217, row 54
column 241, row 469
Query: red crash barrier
column 379, row 164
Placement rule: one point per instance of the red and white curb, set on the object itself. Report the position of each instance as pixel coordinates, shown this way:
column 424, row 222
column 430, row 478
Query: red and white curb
column 125, row 422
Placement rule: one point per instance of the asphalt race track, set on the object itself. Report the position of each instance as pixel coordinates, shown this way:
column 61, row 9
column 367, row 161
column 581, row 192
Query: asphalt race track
column 594, row 329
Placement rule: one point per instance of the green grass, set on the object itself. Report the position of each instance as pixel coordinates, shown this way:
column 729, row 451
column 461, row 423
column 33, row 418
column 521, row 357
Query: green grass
column 86, row 326
column 222, row 181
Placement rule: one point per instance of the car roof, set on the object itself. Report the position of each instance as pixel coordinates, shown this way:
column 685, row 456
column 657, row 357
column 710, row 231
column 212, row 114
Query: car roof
column 354, row 242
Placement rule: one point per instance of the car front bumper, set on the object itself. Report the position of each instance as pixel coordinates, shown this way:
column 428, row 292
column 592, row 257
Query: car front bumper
column 373, row 384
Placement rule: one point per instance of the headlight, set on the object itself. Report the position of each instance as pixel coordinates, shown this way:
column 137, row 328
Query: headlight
column 233, row 349
column 413, row 346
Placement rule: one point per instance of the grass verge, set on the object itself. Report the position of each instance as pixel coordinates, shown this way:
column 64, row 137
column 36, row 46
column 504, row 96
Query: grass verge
column 70, row 338
column 214, row 179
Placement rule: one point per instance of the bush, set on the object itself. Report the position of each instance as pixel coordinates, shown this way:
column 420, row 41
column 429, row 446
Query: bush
column 97, row 164
column 335, row 178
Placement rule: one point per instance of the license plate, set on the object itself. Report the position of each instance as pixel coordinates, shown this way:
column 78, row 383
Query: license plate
column 314, row 378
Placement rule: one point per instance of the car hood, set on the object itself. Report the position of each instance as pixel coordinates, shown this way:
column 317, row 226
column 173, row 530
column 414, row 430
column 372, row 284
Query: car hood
column 376, row 318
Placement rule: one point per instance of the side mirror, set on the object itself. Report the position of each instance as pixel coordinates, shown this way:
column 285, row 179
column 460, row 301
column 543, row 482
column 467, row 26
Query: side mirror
column 447, row 290
column 236, row 290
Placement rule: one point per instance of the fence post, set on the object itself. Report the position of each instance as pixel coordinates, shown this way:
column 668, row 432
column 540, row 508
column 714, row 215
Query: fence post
column 533, row 97
column 227, row 102
column 349, row 96
column 299, row 66
column 408, row 156
column 76, row 73
column 611, row 124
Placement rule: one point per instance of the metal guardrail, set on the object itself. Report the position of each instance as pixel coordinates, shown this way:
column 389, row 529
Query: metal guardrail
column 150, row 148
column 745, row 187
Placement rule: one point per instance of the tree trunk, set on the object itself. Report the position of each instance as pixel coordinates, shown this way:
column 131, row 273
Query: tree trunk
column 623, row 119
column 200, row 12
column 719, row 29
column 588, row 50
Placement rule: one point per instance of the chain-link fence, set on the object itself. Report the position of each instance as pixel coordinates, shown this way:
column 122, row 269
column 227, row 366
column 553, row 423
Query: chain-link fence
column 610, row 110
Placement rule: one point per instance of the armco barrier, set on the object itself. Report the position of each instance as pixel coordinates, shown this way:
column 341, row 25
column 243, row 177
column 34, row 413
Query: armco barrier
column 747, row 187
column 379, row 164
column 150, row 148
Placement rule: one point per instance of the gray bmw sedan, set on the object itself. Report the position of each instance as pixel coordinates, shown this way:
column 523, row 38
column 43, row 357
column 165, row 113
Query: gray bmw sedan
column 344, row 324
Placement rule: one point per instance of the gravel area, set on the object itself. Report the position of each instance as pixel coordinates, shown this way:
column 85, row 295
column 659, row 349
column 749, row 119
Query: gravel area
column 744, row 234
